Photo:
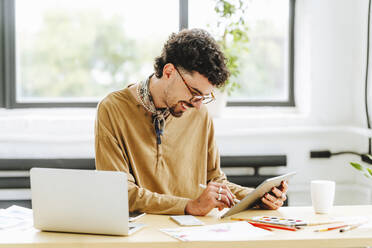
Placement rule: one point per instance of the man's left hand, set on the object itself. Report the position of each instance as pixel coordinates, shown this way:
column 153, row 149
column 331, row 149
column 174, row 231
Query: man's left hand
column 276, row 198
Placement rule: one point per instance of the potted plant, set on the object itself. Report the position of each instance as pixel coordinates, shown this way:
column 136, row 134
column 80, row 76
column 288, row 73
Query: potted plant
column 366, row 170
column 231, row 34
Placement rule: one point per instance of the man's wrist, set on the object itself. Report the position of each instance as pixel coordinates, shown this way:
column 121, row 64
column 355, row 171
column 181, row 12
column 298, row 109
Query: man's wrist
column 189, row 207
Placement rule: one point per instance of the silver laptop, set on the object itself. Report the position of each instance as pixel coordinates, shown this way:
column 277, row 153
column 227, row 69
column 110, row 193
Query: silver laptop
column 82, row 201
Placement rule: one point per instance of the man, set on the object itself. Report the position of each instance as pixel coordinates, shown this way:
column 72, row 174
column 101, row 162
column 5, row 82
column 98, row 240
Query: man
column 161, row 135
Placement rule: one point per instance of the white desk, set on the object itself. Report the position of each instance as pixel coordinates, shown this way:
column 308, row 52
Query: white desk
column 150, row 236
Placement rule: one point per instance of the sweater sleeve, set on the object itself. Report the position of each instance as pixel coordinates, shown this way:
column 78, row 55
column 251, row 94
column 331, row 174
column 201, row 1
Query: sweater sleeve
column 214, row 170
column 111, row 156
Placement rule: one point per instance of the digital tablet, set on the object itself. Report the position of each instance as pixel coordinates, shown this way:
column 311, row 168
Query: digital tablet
column 257, row 193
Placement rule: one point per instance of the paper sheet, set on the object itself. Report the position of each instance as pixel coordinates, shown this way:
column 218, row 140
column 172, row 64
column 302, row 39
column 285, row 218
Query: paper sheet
column 236, row 231
column 15, row 217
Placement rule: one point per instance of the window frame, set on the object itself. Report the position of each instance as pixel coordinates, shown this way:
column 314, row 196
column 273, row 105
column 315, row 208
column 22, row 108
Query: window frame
column 2, row 88
column 8, row 63
column 291, row 66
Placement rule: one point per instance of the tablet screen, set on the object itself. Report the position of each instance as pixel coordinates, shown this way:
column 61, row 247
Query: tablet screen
column 257, row 193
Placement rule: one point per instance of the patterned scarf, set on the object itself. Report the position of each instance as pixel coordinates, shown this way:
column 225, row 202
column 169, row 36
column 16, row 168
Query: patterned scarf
column 158, row 115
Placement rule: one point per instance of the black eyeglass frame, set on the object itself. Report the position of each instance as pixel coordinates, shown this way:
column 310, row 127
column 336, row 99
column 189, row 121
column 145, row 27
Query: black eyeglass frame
column 196, row 97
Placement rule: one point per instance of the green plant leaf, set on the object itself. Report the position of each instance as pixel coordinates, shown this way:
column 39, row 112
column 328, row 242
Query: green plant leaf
column 367, row 175
column 369, row 171
column 234, row 38
column 357, row 166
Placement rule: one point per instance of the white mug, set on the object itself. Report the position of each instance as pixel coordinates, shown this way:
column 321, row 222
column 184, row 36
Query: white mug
column 322, row 195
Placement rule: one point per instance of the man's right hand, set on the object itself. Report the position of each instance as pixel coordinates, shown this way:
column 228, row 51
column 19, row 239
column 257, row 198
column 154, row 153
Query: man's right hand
column 209, row 200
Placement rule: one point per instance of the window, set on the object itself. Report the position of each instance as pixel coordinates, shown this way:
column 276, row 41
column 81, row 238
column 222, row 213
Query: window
column 70, row 53
column 266, row 74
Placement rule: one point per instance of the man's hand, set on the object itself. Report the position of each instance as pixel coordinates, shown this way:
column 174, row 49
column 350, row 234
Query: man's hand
column 276, row 198
column 216, row 195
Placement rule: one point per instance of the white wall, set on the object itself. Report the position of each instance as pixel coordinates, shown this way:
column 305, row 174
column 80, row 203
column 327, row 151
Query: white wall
column 330, row 59
column 330, row 68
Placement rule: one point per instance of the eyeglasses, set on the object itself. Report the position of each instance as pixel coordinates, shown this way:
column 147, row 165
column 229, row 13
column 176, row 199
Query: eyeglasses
column 196, row 95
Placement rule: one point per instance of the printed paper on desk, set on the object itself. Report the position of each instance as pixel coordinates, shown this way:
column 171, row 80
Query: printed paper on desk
column 236, row 231
column 18, row 212
column 6, row 222
column 15, row 217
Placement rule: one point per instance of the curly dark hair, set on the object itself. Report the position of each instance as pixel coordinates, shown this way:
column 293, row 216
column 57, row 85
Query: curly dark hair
column 194, row 50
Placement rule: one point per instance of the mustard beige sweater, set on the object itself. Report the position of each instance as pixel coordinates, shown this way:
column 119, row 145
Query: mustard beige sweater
column 161, row 178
